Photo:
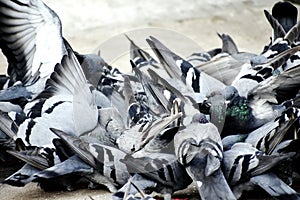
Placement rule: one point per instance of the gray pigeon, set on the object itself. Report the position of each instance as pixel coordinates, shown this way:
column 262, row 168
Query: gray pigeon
column 67, row 95
column 244, row 166
column 109, row 171
column 263, row 104
column 22, row 177
column 93, row 67
column 198, row 148
column 67, row 175
column 267, row 137
column 228, row 45
column 158, row 172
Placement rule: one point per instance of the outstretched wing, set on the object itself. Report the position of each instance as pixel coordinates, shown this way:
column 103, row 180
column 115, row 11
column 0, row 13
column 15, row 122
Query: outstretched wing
column 30, row 38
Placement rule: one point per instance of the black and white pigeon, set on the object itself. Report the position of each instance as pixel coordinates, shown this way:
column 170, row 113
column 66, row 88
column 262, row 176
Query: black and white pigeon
column 283, row 18
column 198, row 148
column 244, row 167
column 285, row 32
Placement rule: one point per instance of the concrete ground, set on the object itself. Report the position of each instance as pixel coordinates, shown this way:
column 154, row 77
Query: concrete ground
column 184, row 26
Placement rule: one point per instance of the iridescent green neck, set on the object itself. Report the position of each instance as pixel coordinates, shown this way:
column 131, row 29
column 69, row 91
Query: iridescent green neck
column 239, row 110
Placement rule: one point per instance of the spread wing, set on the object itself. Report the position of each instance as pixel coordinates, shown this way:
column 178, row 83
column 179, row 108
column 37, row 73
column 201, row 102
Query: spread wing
column 30, row 38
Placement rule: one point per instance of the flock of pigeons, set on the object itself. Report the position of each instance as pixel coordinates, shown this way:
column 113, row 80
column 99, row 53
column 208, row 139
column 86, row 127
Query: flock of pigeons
column 223, row 120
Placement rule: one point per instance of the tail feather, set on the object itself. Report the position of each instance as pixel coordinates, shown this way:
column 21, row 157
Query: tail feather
column 215, row 186
column 275, row 186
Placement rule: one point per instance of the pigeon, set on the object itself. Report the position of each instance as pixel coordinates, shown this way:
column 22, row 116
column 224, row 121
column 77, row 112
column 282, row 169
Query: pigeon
column 66, row 96
column 184, row 76
column 21, row 177
column 267, row 137
column 157, row 172
column 155, row 100
column 282, row 19
column 8, row 133
column 228, row 45
column 38, row 157
column 181, row 69
column 93, row 67
column 278, row 30
column 198, row 148
column 285, row 32
column 109, row 170
column 135, row 138
column 35, row 158
column 137, row 112
column 202, row 58
column 199, row 58
column 260, row 96
column 288, row 170
column 244, row 166
column 67, row 175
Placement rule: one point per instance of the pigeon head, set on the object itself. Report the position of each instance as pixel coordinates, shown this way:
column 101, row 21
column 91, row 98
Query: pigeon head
column 200, row 118
column 230, row 93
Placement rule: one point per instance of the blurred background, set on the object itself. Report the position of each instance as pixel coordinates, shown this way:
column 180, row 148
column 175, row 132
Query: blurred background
column 88, row 25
